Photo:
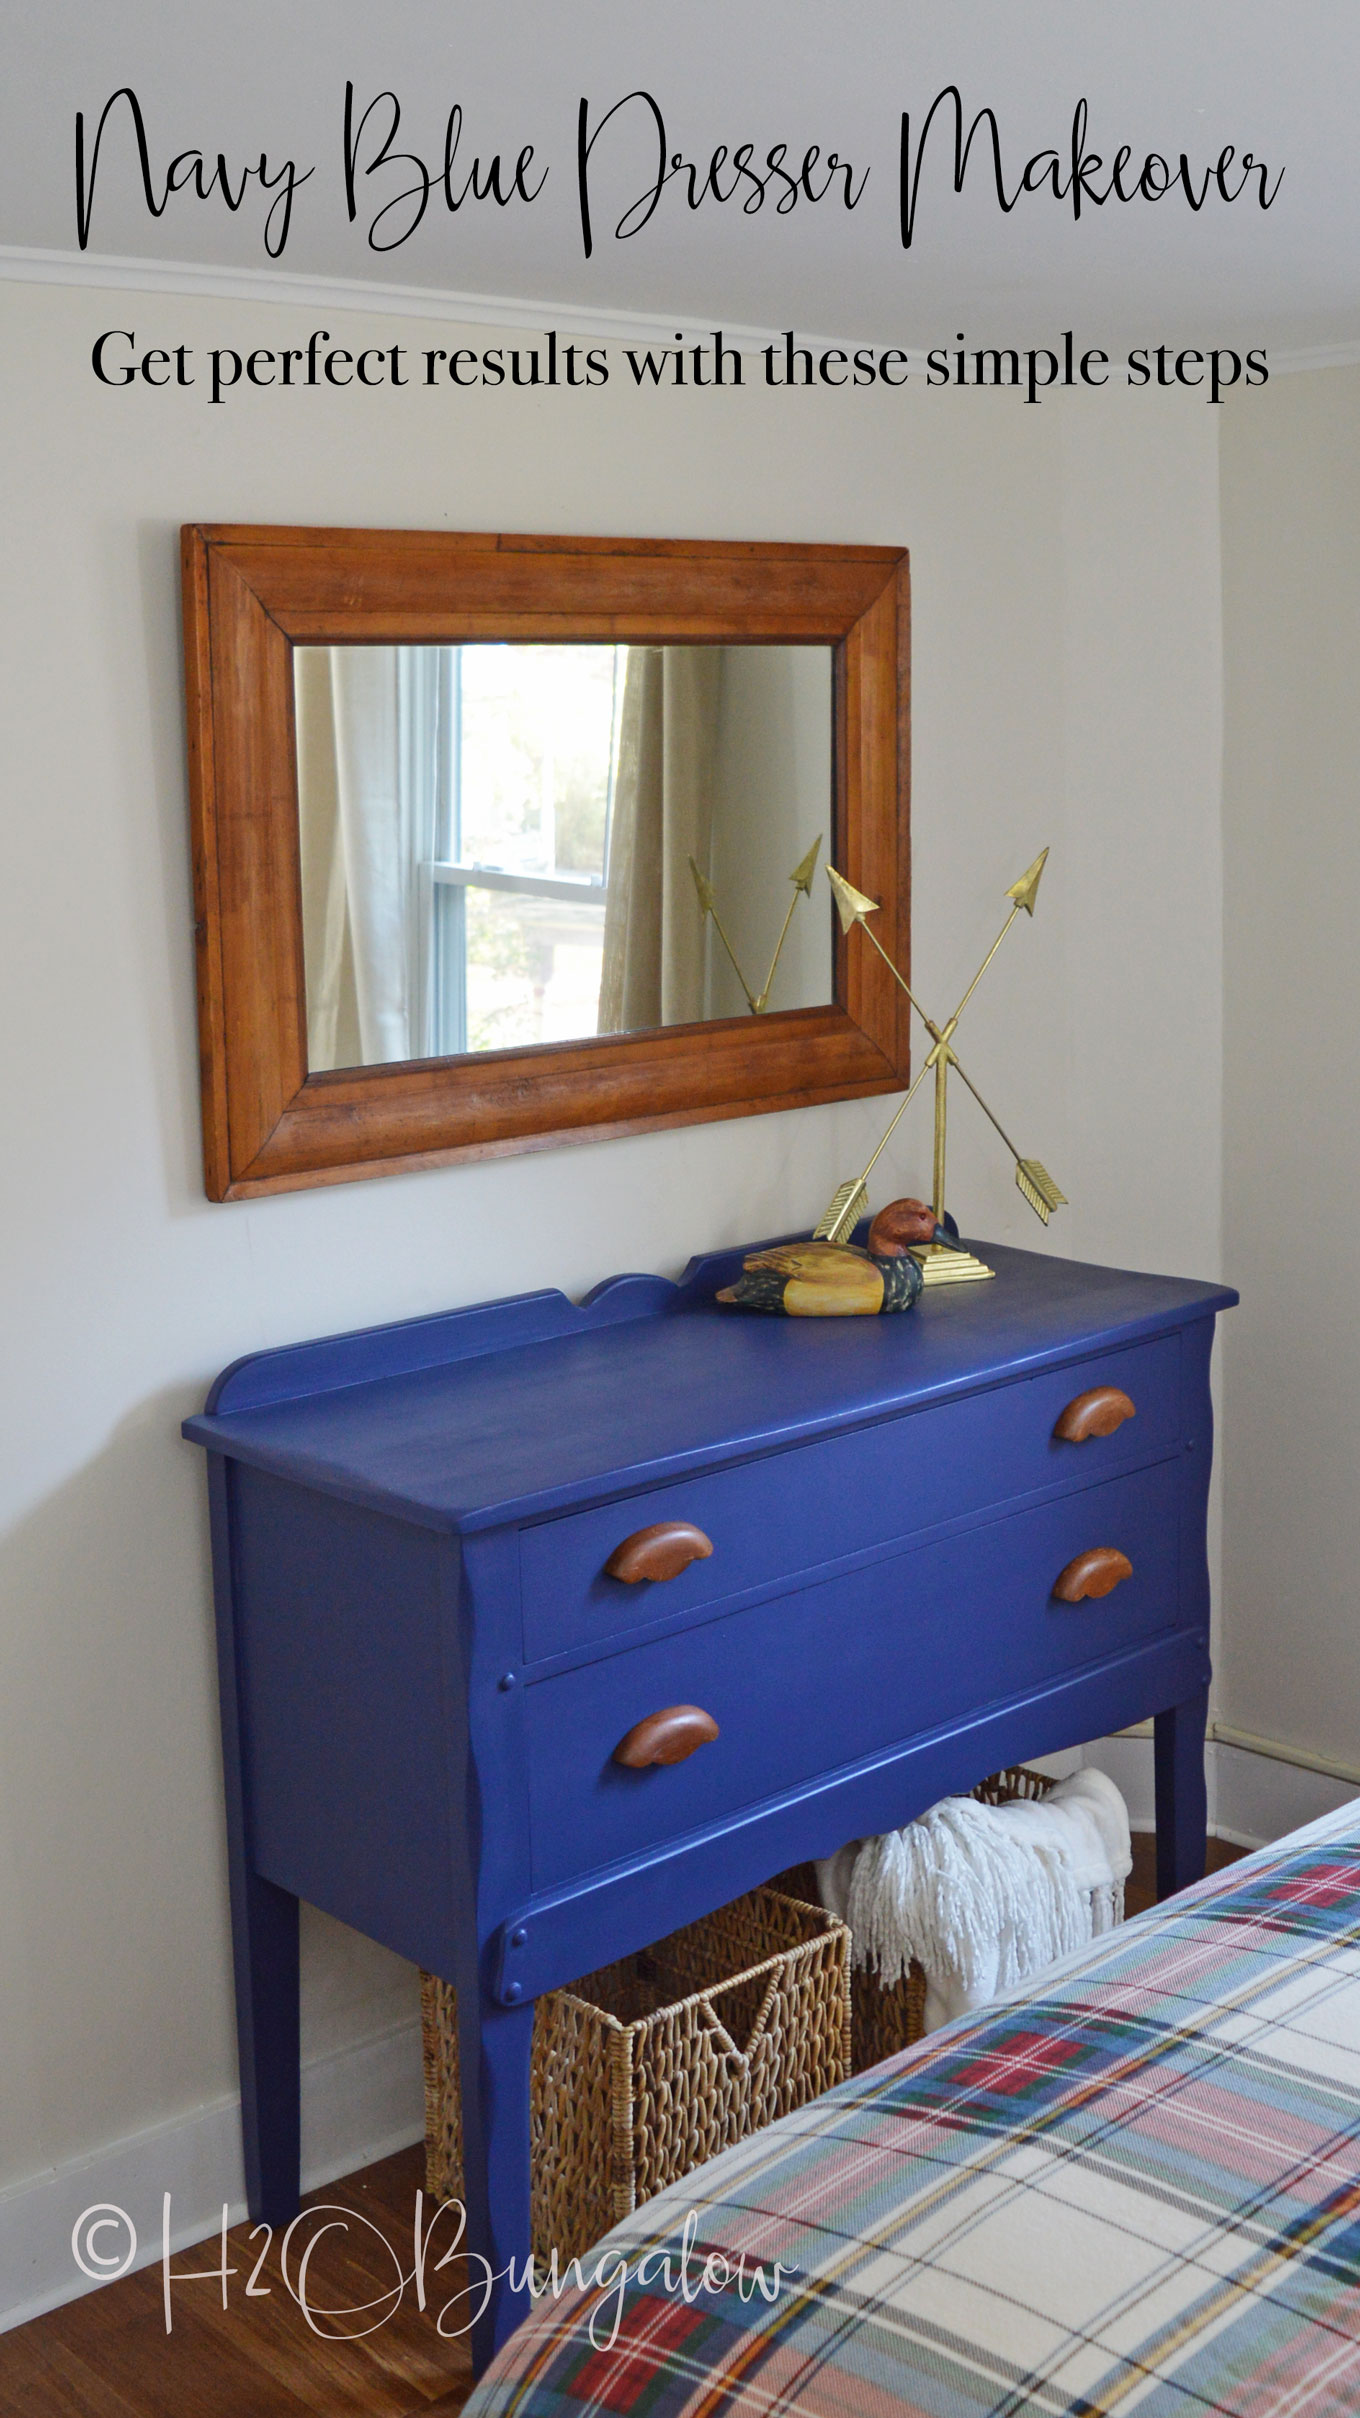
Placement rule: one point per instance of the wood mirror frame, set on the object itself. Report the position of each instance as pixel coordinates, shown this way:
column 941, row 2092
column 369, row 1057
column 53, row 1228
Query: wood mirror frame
column 251, row 594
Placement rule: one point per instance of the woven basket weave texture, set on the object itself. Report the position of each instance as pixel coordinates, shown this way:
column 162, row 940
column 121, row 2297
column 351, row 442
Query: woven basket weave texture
column 647, row 2068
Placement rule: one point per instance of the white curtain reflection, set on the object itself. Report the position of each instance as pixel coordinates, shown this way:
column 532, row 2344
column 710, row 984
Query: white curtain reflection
column 654, row 939
column 367, row 735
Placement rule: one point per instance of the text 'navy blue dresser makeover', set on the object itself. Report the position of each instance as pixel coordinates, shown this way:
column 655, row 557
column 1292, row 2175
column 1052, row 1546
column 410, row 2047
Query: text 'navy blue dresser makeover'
column 427, row 1668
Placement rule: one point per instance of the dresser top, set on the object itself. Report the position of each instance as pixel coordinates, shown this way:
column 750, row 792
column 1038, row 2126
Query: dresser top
column 535, row 1404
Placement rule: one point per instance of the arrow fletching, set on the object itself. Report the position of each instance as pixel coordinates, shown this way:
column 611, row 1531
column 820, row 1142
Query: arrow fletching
column 844, row 1211
column 1038, row 1187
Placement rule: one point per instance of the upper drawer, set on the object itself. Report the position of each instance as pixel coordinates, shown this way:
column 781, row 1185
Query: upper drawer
column 811, row 1682
column 793, row 1511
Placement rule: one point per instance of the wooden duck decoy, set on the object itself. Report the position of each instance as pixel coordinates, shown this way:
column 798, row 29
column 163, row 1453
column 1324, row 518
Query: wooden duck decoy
column 839, row 1280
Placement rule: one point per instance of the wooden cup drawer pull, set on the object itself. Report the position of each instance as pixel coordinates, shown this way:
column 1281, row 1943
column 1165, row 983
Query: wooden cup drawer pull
column 1098, row 1413
column 666, row 1737
column 1093, row 1573
column 662, row 1551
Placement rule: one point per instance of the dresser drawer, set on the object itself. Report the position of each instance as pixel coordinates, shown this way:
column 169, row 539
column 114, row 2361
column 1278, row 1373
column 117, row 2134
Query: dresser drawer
column 819, row 1678
column 796, row 1510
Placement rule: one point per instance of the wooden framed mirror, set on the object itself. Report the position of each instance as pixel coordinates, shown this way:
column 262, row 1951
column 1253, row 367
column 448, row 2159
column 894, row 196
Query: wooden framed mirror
column 324, row 1060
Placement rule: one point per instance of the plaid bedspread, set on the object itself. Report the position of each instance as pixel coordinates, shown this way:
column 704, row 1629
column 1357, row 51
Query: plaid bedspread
column 1136, row 2189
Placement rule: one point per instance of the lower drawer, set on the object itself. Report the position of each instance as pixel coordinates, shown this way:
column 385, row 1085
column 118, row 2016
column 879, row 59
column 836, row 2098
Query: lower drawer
column 827, row 1674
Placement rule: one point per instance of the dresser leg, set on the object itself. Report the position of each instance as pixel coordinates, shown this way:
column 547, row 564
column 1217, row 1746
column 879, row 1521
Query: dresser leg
column 264, row 1933
column 495, row 2076
column 265, row 1925
column 1181, row 1804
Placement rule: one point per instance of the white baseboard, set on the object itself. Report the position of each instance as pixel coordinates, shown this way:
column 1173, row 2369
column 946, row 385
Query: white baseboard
column 1255, row 1795
column 358, row 2104
column 1259, row 1797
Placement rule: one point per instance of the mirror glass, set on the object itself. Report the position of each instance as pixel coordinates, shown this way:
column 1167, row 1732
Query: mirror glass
column 500, row 842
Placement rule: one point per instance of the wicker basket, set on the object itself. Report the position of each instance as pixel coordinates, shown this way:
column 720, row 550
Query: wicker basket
column 886, row 2020
column 649, row 2067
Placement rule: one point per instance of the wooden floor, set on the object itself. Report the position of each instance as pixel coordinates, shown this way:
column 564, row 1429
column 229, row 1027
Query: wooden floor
column 1140, row 1890
column 109, row 2356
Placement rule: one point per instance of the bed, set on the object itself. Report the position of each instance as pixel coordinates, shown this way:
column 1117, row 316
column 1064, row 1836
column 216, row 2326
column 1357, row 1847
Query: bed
column 1135, row 2187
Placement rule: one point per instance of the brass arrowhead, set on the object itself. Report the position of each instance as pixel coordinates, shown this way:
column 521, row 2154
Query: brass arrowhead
column 801, row 876
column 851, row 905
column 1026, row 890
column 704, row 887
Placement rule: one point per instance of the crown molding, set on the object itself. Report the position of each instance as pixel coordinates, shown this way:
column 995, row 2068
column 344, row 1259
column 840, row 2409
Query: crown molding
column 1314, row 356
column 142, row 276
column 22, row 265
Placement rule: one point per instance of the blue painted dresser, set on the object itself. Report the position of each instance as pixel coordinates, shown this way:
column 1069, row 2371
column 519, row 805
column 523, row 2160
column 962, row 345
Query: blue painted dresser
column 426, row 1667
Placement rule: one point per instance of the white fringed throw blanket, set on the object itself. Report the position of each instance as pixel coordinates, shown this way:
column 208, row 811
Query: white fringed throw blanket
column 984, row 1895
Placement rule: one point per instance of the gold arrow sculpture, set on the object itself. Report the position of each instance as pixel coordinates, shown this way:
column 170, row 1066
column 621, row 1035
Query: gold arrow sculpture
column 801, row 878
column 1035, row 1183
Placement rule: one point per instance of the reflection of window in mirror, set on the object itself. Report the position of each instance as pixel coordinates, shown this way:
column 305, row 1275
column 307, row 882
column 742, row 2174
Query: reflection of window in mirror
column 496, row 839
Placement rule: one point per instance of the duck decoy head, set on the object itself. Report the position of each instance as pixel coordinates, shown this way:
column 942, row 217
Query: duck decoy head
column 905, row 1225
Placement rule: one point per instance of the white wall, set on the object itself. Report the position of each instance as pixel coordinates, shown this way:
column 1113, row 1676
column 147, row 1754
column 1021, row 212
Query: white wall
column 771, row 800
column 1067, row 691
column 1290, row 1668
